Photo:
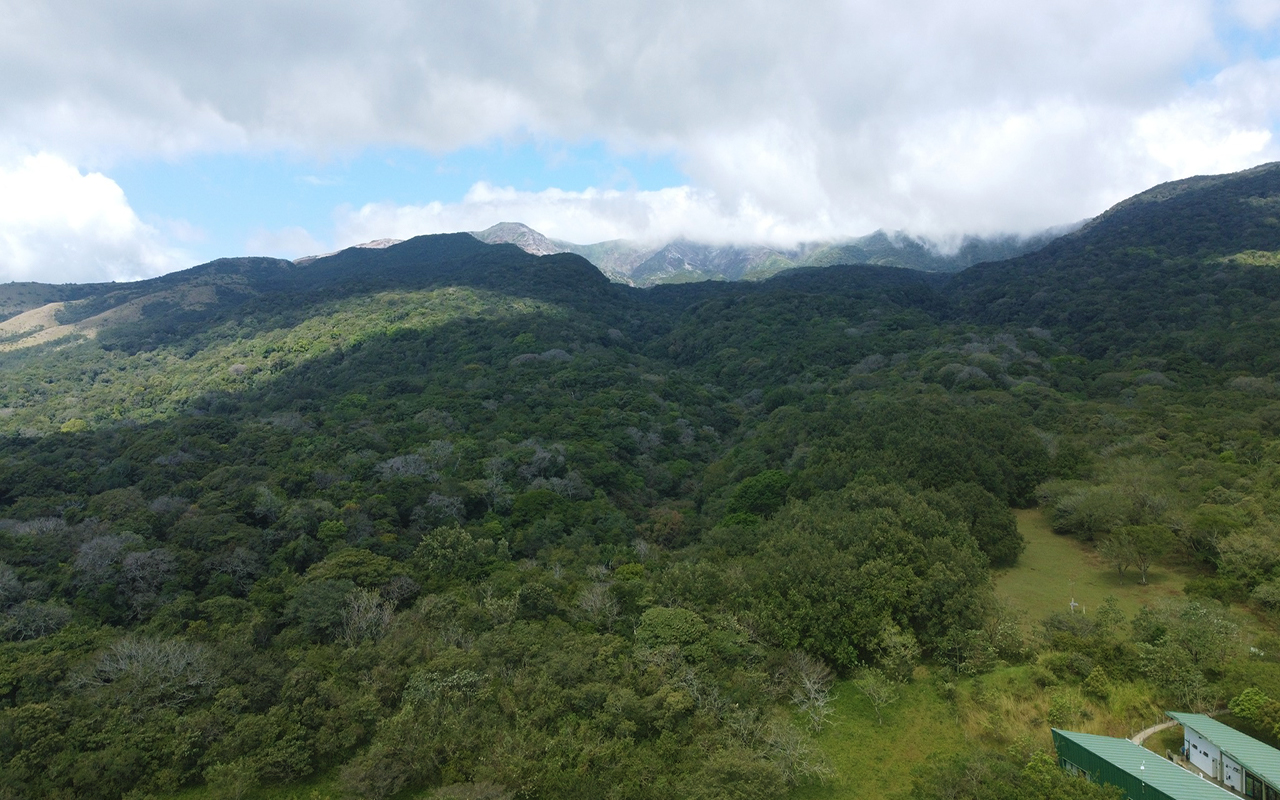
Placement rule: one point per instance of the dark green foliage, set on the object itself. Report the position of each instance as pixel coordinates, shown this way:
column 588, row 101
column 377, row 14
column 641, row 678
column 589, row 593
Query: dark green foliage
column 990, row 523
column 448, row 514
column 535, row 601
column 830, row 573
column 1167, row 274
column 760, row 494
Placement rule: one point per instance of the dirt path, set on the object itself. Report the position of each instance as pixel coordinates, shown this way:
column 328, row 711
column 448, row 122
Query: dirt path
column 1141, row 736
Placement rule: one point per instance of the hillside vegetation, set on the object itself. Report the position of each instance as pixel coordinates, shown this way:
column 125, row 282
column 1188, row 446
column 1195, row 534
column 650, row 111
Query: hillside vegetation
column 447, row 519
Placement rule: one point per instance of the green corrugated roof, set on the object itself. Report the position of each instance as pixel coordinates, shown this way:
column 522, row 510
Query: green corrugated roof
column 1148, row 767
column 1260, row 759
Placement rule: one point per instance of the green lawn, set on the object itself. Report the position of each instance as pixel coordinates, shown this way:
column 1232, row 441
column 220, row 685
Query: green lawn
column 1054, row 569
column 875, row 761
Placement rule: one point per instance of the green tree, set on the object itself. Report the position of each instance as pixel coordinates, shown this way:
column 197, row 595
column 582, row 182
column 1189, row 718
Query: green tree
column 1149, row 543
column 879, row 690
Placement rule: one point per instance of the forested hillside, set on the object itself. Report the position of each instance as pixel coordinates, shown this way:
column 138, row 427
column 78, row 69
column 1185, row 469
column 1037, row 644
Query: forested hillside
column 448, row 519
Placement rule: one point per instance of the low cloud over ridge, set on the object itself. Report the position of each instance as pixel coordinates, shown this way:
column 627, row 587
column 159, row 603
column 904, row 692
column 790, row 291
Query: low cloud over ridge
column 834, row 117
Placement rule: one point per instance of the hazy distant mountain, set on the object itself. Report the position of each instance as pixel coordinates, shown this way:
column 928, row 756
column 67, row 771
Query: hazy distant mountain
column 616, row 258
column 684, row 261
column 913, row 252
column 522, row 236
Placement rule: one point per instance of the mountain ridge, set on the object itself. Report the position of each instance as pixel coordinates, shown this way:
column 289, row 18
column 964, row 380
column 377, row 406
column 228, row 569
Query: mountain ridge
column 684, row 260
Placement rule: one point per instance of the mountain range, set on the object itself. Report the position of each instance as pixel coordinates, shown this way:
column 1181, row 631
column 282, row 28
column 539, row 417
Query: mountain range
column 686, row 261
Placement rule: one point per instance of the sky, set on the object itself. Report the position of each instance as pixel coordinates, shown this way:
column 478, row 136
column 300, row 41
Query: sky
column 137, row 138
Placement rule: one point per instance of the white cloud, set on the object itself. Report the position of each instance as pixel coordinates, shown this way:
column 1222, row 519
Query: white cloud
column 59, row 226
column 1219, row 126
column 982, row 170
column 833, row 115
column 1257, row 14
column 290, row 242
column 589, row 216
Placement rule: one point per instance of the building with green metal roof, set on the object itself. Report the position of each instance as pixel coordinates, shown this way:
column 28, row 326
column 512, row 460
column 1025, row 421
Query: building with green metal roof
column 1140, row 773
column 1223, row 753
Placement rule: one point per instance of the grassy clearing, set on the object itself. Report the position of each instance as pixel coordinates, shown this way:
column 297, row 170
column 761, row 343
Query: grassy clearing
column 1054, row 569
column 875, row 761
column 1002, row 708
column 999, row 710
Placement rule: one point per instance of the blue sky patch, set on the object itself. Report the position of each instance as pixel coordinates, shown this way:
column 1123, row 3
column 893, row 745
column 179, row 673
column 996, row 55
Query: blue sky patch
column 226, row 199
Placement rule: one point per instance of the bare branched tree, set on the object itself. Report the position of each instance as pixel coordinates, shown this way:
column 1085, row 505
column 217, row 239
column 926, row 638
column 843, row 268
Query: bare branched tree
column 31, row 620
column 446, row 509
column 242, row 565
column 399, row 589
column 598, row 606
column 496, row 493
column 140, row 673
column 366, row 617
column 543, row 462
column 412, row 465
column 98, row 560
column 10, row 586
column 439, row 455
column 143, row 574
column 792, row 753
column 810, row 683
column 41, row 526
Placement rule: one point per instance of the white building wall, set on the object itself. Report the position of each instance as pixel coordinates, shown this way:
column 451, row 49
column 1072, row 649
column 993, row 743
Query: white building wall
column 1200, row 751
column 1232, row 774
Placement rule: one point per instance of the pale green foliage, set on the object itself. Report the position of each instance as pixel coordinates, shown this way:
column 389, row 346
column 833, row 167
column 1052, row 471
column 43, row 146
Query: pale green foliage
column 674, row 627
column 1248, row 703
column 1267, row 595
column 879, row 690
column 1066, row 708
column 897, row 652
column 483, row 790
column 232, row 781
column 366, row 617
column 1097, row 685
column 1249, row 555
column 1109, row 617
column 1136, row 545
column 1090, row 511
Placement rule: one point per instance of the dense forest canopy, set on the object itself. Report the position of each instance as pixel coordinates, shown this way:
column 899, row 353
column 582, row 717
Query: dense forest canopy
column 451, row 515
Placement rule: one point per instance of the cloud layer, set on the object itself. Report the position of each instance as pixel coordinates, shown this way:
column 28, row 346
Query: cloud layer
column 589, row 216
column 836, row 115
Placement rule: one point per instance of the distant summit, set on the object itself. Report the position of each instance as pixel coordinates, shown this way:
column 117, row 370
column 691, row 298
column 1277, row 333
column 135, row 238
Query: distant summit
column 685, row 261
column 376, row 244
column 522, row 236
